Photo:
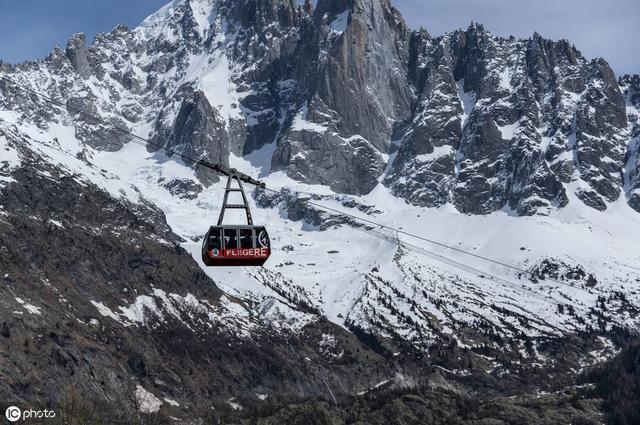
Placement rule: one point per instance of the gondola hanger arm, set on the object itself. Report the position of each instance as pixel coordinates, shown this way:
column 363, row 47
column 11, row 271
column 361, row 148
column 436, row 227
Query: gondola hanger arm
column 227, row 171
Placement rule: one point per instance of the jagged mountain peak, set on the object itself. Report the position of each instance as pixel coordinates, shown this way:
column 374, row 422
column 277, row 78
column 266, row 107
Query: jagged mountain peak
column 359, row 79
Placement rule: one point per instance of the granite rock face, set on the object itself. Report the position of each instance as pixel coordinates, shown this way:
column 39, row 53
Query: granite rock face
column 353, row 91
column 198, row 131
column 510, row 123
column 631, row 89
column 77, row 54
column 344, row 94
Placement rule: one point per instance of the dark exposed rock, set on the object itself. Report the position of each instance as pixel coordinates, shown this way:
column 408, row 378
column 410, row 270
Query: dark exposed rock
column 428, row 148
column 557, row 270
column 345, row 165
column 266, row 50
column 77, row 54
column 357, row 47
column 522, row 123
column 185, row 189
column 631, row 90
column 198, row 132
column 365, row 57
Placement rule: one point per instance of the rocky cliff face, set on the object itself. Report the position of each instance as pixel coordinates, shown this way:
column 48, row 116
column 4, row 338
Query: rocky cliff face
column 631, row 90
column 356, row 48
column 510, row 123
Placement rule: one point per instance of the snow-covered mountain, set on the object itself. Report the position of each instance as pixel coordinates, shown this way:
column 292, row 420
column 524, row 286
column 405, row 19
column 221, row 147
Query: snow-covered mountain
column 522, row 151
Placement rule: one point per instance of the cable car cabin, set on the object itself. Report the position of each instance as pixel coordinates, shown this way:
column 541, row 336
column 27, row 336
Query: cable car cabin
column 236, row 246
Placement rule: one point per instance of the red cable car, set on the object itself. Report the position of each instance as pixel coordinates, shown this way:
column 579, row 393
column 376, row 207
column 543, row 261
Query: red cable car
column 236, row 245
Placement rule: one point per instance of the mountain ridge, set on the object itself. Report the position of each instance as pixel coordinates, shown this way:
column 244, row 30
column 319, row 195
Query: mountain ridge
column 529, row 149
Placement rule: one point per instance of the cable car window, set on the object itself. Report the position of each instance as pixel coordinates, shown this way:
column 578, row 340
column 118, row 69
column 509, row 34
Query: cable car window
column 214, row 240
column 246, row 238
column 230, row 238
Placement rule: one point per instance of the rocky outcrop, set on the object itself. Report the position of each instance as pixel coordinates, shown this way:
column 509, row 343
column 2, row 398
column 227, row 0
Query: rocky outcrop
column 599, row 143
column 428, row 148
column 345, row 165
column 631, row 89
column 78, row 55
column 360, row 73
column 354, row 91
column 198, row 132
column 509, row 123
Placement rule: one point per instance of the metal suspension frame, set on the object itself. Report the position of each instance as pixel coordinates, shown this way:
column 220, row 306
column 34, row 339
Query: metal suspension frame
column 244, row 205
column 239, row 177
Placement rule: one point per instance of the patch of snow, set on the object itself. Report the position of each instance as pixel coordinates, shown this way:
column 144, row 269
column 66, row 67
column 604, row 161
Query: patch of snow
column 234, row 404
column 32, row 309
column 300, row 123
column 438, row 151
column 160, row 16
column 201, row 14
column 467, row 100
column 509, row 131
column 375, row 387
column 171, row 402
column 56, row 223
column 279, row 315
column 504, row 79
column 147, row 402
column 105, row 311
column 143, row 307
column 29, row 307
column 214, row 79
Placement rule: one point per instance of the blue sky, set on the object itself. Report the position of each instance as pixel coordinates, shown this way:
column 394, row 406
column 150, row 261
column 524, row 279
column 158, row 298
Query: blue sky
column 30, row 28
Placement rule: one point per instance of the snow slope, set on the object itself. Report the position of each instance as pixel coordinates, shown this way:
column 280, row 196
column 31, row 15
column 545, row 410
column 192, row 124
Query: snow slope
column 374, row 278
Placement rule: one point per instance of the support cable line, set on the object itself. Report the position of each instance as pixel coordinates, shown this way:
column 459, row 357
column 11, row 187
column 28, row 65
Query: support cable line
column 491, row 277
column 233, row 173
